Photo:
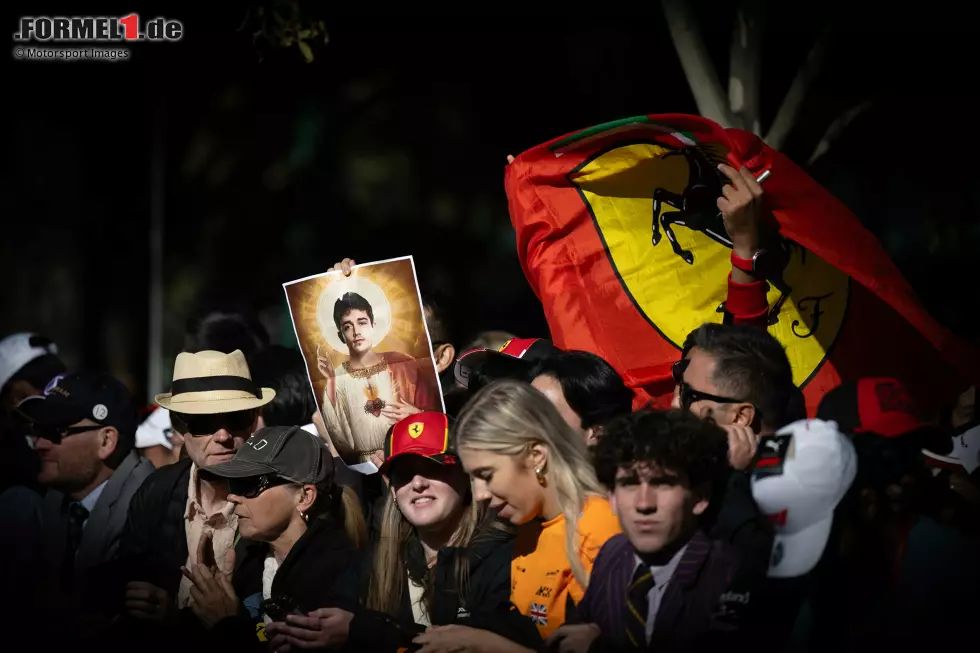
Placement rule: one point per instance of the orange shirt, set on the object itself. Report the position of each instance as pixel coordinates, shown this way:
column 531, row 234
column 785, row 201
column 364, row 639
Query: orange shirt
column 541, row 577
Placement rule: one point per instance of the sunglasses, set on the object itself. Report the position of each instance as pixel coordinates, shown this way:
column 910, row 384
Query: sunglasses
column 689, row 395
column 201, row 425
column 252, row 486
column 55, row 434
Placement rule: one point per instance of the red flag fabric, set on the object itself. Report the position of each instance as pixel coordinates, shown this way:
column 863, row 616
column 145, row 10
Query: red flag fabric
column 613, row 239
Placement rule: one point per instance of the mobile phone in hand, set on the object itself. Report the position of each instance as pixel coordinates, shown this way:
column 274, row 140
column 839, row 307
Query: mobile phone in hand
column 279, row 607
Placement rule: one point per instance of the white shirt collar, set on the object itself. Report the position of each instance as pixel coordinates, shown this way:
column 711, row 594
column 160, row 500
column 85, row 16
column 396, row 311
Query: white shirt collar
column 93, row 497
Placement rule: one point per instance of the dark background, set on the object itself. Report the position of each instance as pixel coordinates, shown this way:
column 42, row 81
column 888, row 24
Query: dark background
column 393, row 141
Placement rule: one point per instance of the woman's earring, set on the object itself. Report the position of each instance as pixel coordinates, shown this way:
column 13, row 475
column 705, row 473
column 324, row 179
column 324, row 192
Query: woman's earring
column 540, row 474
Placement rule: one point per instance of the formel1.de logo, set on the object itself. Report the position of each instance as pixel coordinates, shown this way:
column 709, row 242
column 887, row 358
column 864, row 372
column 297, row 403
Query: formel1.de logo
column 97, row 29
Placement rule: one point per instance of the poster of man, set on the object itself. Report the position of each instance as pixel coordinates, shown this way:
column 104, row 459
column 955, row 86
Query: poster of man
column 367, row 351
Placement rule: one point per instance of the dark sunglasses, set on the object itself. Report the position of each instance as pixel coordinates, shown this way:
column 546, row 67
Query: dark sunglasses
column 689, row 395
column 252, row 486
column 200, row 425
column 55, row 434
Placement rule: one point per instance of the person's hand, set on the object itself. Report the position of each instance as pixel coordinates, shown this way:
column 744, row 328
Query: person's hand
column 148, row 602
column 741, row 207
column 344, row 266
column 454, row 638
column 323, row 628
column 573, row 638
column 742, row 443
column 399, row 410
column 212, row 596
column 324, row 364
column 378, row 458
column 278, row 642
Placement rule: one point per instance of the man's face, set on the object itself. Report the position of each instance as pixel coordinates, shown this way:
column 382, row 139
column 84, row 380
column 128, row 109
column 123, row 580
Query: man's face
column 73, row 463
column 697, row 381
column 358, row 331
column 213, row 439
column 656, row 507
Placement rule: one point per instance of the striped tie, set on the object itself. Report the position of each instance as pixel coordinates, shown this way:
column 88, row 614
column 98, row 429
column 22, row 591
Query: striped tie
column 636, row 607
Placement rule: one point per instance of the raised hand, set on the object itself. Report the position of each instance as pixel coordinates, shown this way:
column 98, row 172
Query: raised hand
column 741, row 209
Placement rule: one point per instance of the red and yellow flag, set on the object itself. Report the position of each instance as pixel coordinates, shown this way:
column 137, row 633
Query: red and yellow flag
column 620, row 239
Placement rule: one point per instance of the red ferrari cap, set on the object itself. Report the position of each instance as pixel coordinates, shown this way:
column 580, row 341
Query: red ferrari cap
column 423, row 434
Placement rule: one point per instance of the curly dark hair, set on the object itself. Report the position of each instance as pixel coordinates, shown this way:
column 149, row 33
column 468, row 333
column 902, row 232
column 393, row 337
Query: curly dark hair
column 674, row 440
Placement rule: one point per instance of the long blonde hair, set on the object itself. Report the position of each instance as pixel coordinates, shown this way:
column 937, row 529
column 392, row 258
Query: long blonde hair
column 389, row 566
column 509, row 418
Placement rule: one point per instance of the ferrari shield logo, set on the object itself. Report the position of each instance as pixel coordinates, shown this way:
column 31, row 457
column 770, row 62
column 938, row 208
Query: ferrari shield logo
column 654, row 207
column 415, row 429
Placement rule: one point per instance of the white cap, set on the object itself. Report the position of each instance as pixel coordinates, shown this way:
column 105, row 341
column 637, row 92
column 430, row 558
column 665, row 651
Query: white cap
column 16, row 351
column 819, row 467
column 155, row 430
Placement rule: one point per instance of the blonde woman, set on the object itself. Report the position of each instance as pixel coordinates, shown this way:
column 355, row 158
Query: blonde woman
column 438, row 560
column 537, row 474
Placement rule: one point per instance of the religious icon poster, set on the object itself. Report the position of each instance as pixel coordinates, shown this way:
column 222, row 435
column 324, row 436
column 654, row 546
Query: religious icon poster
column 367, row 352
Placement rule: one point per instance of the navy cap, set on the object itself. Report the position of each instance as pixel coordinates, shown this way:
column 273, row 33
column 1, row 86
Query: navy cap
column 73, row 397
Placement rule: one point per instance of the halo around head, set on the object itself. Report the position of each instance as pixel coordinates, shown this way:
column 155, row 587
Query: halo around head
column 366, row 289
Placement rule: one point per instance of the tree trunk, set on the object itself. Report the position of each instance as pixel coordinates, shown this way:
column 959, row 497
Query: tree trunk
column 698, row 69
column 745, row 69
column 790, row 108
column 155, row 375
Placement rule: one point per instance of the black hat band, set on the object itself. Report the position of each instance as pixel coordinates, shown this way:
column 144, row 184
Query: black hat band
column 212, row 383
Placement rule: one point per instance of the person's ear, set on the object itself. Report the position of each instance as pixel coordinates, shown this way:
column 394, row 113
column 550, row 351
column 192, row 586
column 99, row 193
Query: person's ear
column 743, row 414
column 537, row 458
column 306, row 497
column 702, row 498
column 612, row 502
column 444, row 354
column 108, row 441
column 591, row 436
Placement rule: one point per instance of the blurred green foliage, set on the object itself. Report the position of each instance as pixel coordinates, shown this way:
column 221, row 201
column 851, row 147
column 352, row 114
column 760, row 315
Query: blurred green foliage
column 285, row 24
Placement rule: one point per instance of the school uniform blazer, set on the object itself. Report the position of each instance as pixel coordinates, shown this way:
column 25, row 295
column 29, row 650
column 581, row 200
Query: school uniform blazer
column 694, row 612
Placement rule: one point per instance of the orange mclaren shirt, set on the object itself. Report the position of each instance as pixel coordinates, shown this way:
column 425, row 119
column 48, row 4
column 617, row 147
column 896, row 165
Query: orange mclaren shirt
column 541, row 577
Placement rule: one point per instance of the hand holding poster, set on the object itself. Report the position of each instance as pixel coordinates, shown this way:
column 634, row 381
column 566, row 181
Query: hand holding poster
column 367, row 351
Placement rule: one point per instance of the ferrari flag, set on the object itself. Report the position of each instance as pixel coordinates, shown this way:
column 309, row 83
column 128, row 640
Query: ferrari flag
column 620, row 238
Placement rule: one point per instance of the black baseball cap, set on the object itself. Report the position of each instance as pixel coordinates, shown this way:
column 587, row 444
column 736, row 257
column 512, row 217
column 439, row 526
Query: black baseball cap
column 523, row 349
column 72, row 397
column 287, row 451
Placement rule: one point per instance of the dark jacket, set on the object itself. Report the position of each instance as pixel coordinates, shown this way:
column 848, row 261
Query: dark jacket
column 486, row 604
column 152, row 549
column 320, row 571
column 740, row 523
column 696, row 612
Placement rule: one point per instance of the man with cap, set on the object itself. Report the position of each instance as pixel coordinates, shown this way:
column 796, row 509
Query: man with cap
column 881, row 407
column 83, row 427
column 213, row 404
column 28, row 362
